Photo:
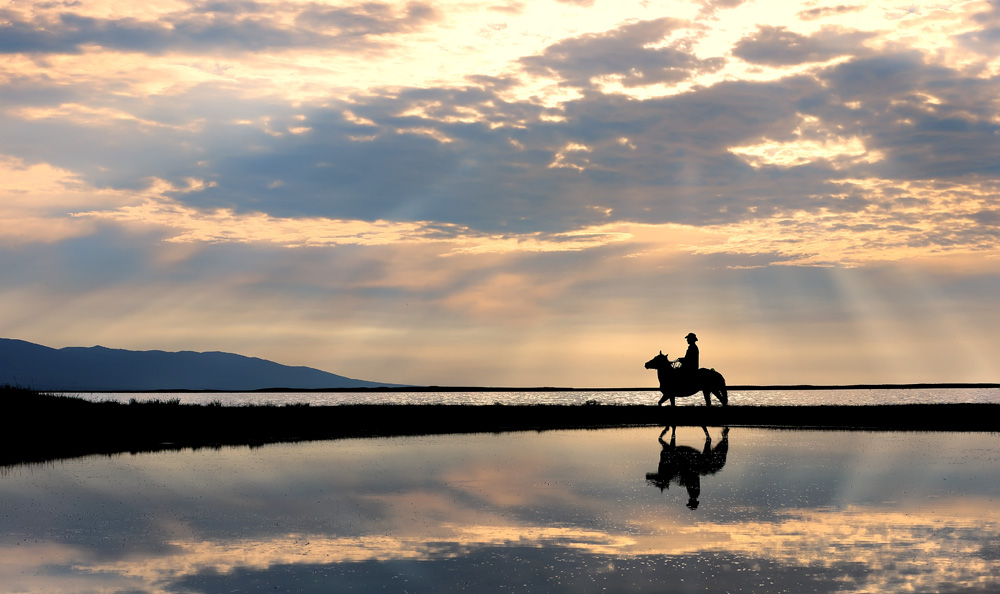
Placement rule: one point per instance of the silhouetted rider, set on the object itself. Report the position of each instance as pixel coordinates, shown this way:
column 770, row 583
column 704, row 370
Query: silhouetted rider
column 689, row 362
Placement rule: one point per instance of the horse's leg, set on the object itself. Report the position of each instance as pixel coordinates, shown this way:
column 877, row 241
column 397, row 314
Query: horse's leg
column 673, row 401
column 708, row 397
column 662, row 399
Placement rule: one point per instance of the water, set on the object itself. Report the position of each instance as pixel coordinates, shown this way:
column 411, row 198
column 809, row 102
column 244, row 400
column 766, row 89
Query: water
column 737, row 397
column 585, row 511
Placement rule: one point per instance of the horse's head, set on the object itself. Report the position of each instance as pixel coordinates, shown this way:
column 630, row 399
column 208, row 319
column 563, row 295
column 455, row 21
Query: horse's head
column 660, row 361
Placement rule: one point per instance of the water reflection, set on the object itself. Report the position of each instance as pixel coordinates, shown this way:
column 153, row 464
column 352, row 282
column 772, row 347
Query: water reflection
column 687, row 465
column 790, row 397
column 562, row 511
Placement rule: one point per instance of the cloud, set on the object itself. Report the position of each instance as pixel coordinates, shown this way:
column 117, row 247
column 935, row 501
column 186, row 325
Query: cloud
column 187, row 225
column 882, row 221
column 929, row 121
column 825, row 11
column 435, row 169
column 777, row 46
column 988, row 218
column 624, row 53
column 474, row 155
column 211, row 27
column 986, row 38
column 468, row 156
column 857, row 223
column 711, row 7
column 368, row 19
column 811, row 142
column 36, row 199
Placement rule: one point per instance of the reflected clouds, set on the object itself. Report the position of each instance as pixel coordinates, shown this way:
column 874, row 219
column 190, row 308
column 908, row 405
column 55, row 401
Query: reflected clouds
column 863, row 550
column 781, row 505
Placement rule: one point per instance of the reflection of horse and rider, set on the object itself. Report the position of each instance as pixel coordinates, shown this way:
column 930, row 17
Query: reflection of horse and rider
column 687, row 465
column 683, row 377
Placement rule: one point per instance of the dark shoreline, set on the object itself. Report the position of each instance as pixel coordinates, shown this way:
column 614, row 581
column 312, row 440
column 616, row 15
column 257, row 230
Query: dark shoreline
column 487, row 389
column 64, row 427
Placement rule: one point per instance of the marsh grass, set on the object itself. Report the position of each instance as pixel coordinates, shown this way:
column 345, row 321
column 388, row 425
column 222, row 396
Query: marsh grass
column 154, row 402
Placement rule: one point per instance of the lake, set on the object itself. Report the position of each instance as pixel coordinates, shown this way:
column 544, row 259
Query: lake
column 747, row 510
column 736, row 397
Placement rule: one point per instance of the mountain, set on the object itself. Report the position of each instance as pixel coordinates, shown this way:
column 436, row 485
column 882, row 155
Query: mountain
column 99, row 369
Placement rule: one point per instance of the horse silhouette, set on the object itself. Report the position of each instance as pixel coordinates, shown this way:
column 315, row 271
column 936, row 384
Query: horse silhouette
column 677, row 383
column 687, row 465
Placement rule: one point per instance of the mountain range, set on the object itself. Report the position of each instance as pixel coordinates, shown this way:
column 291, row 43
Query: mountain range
column 100, row 369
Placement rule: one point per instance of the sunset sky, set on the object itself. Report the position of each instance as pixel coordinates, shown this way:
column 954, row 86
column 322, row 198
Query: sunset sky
column 508, row 193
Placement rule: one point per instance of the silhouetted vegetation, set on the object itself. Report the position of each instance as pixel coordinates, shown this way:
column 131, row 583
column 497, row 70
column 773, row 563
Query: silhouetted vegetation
column 64, row 426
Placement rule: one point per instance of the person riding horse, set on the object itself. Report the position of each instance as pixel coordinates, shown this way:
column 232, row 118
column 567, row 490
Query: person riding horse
column 684, row 377
column 689, row 362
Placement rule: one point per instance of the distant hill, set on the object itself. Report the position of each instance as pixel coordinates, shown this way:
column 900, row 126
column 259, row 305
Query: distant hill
column 100, row 369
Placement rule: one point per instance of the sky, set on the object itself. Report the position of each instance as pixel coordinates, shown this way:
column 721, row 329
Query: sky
column 536, row 193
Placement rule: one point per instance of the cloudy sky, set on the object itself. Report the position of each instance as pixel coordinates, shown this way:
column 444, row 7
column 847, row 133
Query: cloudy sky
column 508, row 193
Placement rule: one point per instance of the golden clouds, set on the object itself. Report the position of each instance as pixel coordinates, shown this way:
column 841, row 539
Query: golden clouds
column 225, row 226
column 895, row 221
column 902, row 221
column 813, row 142
column 301, row 51
column 185, row 224
column 865, row 548
column 191, row 558
column 899, row 221
column 35, row 201
column 103, row 117
column 904, row 550
column 499, row 164
column 308, row 49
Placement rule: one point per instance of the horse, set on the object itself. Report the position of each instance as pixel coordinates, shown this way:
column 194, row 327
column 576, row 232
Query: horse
column 675, row 383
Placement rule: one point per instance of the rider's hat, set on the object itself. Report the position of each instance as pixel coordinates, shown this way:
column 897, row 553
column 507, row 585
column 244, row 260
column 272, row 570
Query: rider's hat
column 691, row 335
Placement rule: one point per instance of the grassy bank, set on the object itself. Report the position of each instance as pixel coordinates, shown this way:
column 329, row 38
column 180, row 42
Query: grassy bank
column 59, row 426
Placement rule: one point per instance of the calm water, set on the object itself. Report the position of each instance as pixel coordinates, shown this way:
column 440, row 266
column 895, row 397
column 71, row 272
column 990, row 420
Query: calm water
column 751, row 510
column 762, row 397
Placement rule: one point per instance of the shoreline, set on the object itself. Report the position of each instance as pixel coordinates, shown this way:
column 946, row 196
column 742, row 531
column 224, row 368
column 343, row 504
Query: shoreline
column 67, row 427
column 490, row 389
